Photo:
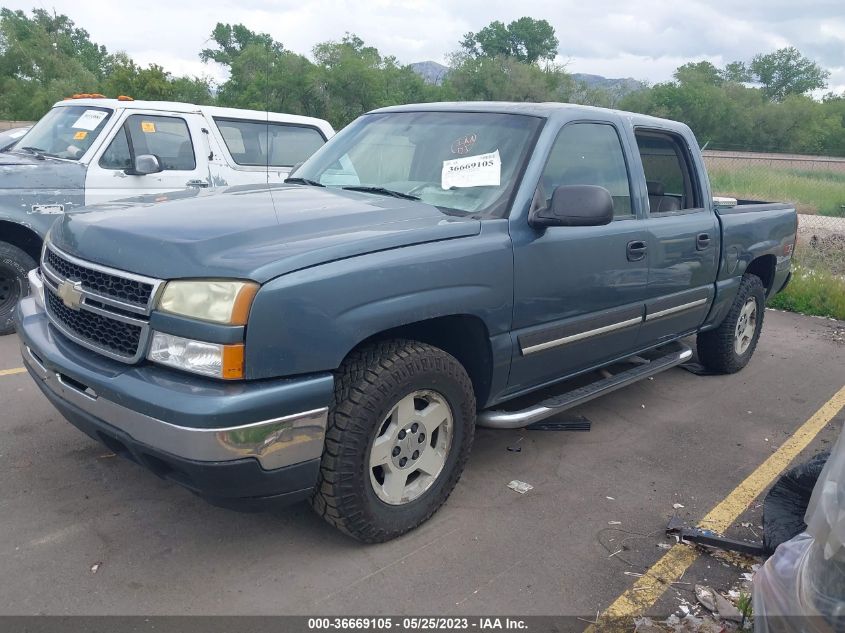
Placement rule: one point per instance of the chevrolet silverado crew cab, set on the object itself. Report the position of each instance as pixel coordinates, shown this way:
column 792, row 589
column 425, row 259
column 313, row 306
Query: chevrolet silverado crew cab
column 432, row 267
column 91, row 150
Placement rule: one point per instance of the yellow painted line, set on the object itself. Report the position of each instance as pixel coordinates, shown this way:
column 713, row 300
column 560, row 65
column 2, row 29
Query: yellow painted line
column 12, row 372
column 672, row 565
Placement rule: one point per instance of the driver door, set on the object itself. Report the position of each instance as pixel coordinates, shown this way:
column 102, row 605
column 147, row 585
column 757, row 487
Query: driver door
column 173, row 139
column 579, row 292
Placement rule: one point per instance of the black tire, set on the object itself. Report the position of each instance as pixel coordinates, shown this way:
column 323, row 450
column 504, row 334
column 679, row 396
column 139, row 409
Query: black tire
column 717, row 349
column 14, row 285
column 368, row 387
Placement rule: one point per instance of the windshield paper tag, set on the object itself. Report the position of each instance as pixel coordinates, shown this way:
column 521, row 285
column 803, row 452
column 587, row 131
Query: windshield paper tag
column 90, row 119
column 484, row 170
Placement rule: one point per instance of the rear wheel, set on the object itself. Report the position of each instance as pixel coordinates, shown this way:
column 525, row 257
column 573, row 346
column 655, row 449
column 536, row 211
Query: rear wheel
column 729, row 347
column 14, row 266
column 398, row 437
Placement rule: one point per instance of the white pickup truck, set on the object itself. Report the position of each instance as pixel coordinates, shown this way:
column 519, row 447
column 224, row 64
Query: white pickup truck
column 91, row 150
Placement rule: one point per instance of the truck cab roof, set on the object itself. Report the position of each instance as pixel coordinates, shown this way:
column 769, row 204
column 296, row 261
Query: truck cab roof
column 546, row 110
column 212, row 111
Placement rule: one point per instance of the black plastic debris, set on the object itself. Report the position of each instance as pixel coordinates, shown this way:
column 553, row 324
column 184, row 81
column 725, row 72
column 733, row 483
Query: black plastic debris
column 783, row 513
column 785, row 505
column 574, row 423
column 678, row 528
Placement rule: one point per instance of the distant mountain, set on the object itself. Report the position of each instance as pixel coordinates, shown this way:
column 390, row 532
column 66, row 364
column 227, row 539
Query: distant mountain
column 619, row 85
column 431, row 72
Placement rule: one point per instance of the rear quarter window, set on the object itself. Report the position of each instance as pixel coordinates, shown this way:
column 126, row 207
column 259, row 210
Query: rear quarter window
column 260, row 144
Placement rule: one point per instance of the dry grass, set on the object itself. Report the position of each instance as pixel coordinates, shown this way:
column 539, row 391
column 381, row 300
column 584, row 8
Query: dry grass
column 821, row 192
column 818, row 282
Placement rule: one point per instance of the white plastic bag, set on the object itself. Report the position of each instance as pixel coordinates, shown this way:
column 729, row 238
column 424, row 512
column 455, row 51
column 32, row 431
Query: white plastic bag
column 801, row 588
column 826, row 513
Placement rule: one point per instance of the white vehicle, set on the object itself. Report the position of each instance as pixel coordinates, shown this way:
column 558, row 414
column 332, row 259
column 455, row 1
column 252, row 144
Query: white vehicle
column 12, row 136
column 90, row 150
column 129, row 148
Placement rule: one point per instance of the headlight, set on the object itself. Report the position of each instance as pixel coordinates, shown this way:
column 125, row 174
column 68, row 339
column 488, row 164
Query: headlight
column 220, row 301
column 208, row 359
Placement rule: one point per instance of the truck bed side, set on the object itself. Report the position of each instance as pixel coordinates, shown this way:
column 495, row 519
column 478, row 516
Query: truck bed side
column 758, row 237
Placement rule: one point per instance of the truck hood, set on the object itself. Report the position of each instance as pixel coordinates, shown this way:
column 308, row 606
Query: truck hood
column 26, row 173
column 254, row 234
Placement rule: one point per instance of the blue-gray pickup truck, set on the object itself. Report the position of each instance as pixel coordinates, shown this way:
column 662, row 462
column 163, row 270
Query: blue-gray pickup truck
column 337, row 338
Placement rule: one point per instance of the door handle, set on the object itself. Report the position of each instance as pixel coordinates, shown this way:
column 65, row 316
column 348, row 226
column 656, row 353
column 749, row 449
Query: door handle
column 636, row 250
column 197, row 183
column 702, row 241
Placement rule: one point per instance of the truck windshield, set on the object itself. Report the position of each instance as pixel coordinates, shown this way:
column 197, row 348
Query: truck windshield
column 469, row 162
column 65, row 131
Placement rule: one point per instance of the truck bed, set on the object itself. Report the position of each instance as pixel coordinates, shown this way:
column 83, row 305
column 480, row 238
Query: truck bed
column 754, row 206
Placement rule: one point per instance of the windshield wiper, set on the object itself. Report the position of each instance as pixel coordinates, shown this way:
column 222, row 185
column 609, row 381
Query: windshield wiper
column 37, row 151
column 381, row 190
column 303, row 181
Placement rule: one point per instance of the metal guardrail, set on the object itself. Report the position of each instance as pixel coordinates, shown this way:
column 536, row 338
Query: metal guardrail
column 8, row 125
column 779, row 161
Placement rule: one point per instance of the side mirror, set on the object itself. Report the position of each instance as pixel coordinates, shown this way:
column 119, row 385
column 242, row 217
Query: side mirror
column 145, row 164
column 576, row 205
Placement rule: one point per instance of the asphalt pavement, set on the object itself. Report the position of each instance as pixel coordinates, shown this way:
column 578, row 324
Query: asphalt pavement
column 68, row 506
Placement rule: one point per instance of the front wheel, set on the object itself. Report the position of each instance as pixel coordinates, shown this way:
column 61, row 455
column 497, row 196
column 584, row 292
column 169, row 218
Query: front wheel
column 15, row 264
column 728, row 348
column 398, row 436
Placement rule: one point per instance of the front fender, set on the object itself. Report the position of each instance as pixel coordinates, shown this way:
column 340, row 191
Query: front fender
column 309, row 320
column 34, row 195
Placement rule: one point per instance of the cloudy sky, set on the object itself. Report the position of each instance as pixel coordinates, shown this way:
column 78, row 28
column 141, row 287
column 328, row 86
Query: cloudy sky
column 646, row 39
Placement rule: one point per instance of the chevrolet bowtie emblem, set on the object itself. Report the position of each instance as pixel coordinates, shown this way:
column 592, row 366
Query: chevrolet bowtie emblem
column 70, row 293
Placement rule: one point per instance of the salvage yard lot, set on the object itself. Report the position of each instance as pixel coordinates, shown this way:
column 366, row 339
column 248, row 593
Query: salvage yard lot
column 68, row 505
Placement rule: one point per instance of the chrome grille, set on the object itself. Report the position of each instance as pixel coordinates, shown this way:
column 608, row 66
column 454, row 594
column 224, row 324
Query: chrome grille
column 129, row 290
column 117, row 337
column 108, row 310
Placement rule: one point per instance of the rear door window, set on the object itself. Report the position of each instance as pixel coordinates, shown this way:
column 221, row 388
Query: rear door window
column 261, row 144
column 668, row 172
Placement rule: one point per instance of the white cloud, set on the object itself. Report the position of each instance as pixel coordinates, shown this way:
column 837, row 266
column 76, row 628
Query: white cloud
column 646, row 40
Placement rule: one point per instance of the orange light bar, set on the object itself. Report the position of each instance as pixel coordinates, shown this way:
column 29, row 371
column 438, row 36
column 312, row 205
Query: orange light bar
column 96, row 95
column 233, row 362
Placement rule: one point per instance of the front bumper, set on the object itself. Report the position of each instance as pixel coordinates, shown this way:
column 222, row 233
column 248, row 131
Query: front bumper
column 220, row 440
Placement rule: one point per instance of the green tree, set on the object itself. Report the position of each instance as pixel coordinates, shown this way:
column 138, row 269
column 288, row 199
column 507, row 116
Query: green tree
column 43, row 59
column 352, row 78
column 125, row 77
column 503, row 78
column 263, row 75
column 526, row 40
column 232, row 40
column 699, row 72
column 787, row 72
column 736, row 72
column 727, row 114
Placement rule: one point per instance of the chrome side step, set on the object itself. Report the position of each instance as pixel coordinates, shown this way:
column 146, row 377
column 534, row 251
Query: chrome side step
column 499, row 419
